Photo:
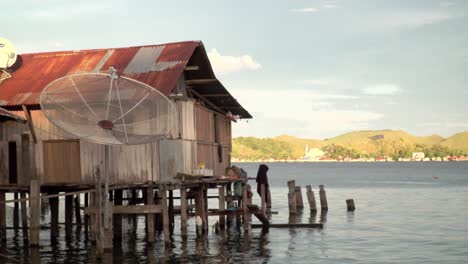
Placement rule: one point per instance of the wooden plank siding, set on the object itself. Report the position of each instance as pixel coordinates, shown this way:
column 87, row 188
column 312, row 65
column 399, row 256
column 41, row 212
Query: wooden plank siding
column 61, row 161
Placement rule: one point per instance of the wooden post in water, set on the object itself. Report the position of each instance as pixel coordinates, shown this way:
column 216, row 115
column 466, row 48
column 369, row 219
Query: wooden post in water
column 150, row 217
column 350, row 205
column 229, row 204
column 311, row 199
column 292, row 197
column 15, row 212
column 93, row 217
column 222, row 207
column 263, row 195
column 245, row 208
column 35, row 210
column 2, row 216
column 68, row 213
column 86, row 216
column 77, row 211
column 54, row 216
column 165, row 212
column 24, row 217
column 171, row 211
column 200, row 217
column 299, row 201
column 183, row 211
column 117, row 219
column 323, row 198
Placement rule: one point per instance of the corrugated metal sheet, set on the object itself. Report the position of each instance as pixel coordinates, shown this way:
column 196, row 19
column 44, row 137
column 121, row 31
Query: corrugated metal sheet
column 8, row 114
column 158, row 66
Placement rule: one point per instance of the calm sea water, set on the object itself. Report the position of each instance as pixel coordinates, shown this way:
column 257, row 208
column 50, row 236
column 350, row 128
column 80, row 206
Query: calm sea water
column 406, row 213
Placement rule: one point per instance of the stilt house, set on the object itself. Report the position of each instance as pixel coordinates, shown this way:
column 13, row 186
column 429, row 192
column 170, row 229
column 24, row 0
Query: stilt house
column 31, row 146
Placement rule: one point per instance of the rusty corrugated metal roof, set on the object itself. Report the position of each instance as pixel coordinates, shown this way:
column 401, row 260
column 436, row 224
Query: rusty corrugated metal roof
column 158, row 66
column 9, row 115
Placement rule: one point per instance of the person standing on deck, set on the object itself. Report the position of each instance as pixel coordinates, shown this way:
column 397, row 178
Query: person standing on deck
column 262, row 178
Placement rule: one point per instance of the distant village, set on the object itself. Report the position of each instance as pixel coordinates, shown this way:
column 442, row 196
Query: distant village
column 318, row 155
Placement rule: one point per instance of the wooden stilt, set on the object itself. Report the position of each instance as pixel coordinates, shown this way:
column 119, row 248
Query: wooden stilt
column 35, row 210
column 92, row 217
column 15, row 212
column 245, row 209
column 171, row 211
column 99, row 225
column 54, row 216
column 323, row 198
column 24, row 217
column 183, row 210
column 292, row 197
column 200, row 217
column 165, row 211
column 311, row 199
column 117, row 222
column 268, row 204
column 222, row 206
column 299, row 201
column 86, row 217
column 263, row 198
column 230, row 205
column 77, row 211
column 350, row 205
column 68, row 213
column 150, row 217
column 2, row 216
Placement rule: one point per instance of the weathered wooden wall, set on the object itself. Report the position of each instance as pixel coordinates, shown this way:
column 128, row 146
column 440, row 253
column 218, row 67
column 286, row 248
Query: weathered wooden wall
column 197, row 138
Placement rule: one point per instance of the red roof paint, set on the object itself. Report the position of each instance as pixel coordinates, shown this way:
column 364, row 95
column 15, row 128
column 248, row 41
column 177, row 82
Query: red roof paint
column 39, row 69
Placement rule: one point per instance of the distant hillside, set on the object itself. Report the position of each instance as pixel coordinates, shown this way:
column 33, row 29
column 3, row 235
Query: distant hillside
column 458, row 141
column 391, row 143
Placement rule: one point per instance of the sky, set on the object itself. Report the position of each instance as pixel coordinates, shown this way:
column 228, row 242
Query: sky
column 310, row 68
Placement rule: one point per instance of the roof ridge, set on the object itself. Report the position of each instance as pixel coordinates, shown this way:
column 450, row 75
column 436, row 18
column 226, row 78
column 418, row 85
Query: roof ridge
column 114, row 48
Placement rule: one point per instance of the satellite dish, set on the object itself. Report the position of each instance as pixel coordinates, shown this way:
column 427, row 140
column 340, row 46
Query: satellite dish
column 108, row 109
column 7, row 53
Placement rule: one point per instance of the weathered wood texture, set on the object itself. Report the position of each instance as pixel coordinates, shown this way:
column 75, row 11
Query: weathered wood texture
column 35, row 210
column 61, row 161
column 178, row 156
column 323, row 198
column 299, row 200
column 350, row 205
column 311, row 199
column 292, row 197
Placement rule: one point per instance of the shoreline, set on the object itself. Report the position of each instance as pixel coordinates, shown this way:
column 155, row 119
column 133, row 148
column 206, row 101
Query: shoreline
column 338, row 161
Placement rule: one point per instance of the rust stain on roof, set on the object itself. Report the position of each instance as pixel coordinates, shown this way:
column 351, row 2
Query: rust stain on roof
column 157, row 65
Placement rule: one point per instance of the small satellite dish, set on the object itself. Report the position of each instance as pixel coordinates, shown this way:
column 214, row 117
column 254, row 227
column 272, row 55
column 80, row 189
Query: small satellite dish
column 108, row 109
column 7, row 53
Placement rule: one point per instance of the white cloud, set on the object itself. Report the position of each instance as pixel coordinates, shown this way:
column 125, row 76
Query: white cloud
column 382, row 89
column 301, row 113
column 225, row 64
column 304, row 10
column 412, row 19
column 321, row 82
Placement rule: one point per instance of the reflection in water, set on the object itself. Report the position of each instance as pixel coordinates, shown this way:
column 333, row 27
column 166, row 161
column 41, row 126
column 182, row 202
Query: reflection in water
column 350, row 217
column 323, row 216
column 313, row 217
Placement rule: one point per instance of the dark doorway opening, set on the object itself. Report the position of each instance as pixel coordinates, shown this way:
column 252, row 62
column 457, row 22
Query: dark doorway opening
column 12, row 163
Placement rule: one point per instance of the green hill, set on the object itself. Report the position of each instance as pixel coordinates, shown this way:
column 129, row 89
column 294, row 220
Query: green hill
column 390, row 143
column 458, row 141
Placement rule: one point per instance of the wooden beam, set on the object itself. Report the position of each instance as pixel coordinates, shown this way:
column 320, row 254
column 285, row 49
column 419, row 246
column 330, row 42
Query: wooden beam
column 30, row 123
column 207, row 101
column 191, row 68
column 200, row 81
column 129, row 209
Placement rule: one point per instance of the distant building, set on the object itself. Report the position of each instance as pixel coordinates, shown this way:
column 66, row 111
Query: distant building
column 314, row 154
column 418, row 156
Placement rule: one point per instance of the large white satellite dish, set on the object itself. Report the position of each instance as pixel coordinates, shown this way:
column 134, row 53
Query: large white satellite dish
column 7, row 53
column 108, row 109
